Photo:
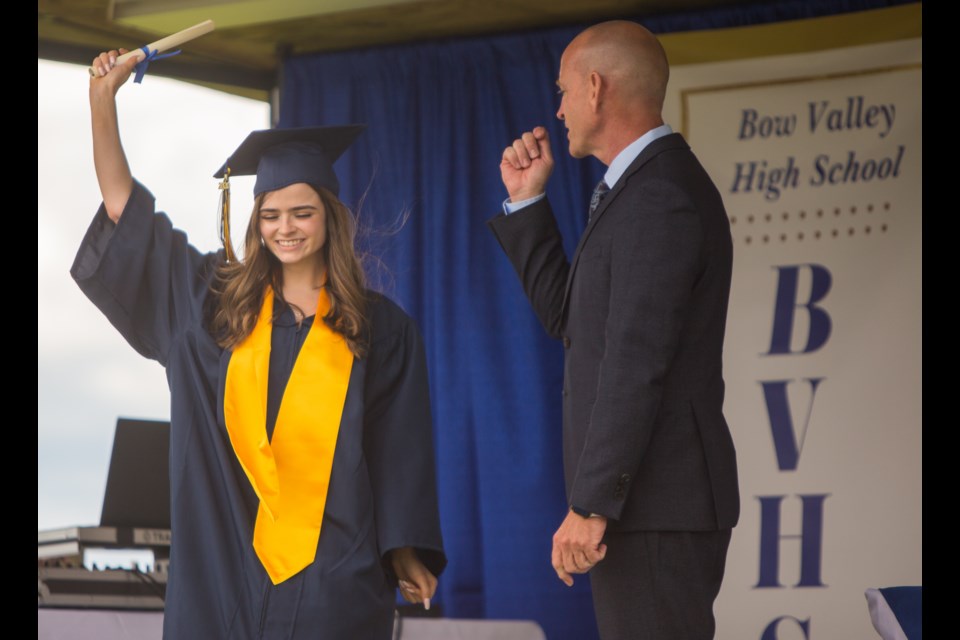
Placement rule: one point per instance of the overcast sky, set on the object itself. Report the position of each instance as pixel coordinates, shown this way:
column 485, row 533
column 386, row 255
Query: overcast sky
column 175, row 135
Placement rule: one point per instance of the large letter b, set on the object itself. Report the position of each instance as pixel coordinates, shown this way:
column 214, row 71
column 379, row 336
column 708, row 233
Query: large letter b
column 787, row 306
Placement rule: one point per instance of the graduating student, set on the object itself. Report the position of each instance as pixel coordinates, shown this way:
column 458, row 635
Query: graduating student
column 301, row 460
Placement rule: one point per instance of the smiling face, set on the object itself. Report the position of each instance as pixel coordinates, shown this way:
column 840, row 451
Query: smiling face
column 293, row 225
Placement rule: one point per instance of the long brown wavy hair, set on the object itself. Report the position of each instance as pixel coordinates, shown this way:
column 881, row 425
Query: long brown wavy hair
column 241, row 285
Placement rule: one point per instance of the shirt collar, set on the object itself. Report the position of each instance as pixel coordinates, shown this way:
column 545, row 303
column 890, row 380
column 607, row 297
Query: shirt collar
column 626, row 157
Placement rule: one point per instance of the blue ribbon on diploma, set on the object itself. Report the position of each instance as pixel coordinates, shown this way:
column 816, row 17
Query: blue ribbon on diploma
column 141, row 68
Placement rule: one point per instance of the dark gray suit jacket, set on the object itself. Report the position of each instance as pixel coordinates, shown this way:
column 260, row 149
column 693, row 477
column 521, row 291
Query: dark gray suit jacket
column 641, row 310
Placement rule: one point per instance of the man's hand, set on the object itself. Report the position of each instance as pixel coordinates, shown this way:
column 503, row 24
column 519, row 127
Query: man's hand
column 417, row 584
column 526, row 165
column 576, row 545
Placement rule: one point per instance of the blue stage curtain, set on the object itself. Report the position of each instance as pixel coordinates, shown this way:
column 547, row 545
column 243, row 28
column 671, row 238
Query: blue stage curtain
column 426, row 170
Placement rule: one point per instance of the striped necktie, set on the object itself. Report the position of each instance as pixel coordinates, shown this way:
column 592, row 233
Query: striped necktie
column 599, row 192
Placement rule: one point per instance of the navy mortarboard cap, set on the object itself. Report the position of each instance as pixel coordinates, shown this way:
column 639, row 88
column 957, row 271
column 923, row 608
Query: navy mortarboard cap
column 282, row 157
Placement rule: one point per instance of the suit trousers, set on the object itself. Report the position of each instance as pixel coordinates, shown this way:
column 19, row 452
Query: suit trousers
column 659, row 585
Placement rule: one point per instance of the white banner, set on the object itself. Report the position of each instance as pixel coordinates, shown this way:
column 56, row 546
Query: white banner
column 818, row 159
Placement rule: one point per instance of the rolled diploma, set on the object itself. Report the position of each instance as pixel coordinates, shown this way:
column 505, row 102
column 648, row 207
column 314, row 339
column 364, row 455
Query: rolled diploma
column 169, row 42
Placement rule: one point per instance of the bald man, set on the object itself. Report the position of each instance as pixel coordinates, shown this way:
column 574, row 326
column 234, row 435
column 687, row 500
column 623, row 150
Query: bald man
column 650, row 466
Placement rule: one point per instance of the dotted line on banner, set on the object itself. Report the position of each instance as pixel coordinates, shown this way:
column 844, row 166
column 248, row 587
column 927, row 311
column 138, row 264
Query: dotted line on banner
column 752, row 224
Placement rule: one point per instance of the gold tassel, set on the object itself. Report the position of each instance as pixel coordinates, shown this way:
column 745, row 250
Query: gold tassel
column 225, row 217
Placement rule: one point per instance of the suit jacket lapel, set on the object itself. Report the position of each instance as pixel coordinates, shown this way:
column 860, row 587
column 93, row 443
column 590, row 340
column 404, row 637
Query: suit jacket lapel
column 668, row 142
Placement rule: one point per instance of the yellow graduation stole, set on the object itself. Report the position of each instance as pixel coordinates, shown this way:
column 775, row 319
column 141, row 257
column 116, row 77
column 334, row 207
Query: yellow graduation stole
column 291, row 473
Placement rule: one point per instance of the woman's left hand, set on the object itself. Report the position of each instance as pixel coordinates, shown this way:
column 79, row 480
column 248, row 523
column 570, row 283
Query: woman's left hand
column 417, row 584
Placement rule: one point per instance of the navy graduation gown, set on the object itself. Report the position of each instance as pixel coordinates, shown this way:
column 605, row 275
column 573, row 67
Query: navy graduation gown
column 153, row 286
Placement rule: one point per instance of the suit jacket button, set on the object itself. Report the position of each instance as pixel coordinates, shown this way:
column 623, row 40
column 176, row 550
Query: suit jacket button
column 624, row 479
column 566, row 342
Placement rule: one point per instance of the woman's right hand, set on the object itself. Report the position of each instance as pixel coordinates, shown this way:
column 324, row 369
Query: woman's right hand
column 109, row 76
column 113, row 172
